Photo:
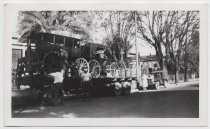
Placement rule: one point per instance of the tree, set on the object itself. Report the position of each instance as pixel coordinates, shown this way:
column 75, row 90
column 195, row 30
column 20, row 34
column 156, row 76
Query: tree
column 190, row 58
column 70, row 22
column 168, row 32
column 151, row 29
column 177, row 36
column 119, row 29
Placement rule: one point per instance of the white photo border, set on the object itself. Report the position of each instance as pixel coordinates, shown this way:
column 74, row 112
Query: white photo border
column 11, row 8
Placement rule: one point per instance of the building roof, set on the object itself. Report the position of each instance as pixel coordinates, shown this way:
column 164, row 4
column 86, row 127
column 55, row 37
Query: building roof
column 143, row 58
column 148, row 58
column 34, row 36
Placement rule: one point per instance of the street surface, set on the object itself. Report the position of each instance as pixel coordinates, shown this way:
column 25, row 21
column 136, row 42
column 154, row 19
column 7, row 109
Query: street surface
column 175, row 101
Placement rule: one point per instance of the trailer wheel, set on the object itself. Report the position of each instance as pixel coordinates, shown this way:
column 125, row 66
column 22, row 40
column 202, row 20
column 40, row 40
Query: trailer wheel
column 157, row 85
column 126, row 87
column 117, row 89
column 95, row 68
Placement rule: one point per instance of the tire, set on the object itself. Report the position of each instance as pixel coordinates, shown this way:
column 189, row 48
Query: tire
column 126, row 88
column 117, row 88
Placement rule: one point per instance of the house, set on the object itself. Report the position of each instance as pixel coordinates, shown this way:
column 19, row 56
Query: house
column 18, row 50
column 149, row 63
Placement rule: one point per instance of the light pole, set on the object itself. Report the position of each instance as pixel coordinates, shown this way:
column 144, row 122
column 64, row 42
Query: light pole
column 137, row 63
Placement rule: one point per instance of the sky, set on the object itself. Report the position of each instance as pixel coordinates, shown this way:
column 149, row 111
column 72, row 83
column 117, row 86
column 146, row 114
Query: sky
column 143, row 47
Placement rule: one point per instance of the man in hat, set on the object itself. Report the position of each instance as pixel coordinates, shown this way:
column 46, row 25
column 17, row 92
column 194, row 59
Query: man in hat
column 86, row 82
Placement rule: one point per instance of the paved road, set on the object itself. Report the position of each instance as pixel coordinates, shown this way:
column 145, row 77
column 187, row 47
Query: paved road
column 180, row 101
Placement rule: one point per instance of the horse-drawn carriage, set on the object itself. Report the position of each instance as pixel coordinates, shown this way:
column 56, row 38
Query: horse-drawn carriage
column 53, row 51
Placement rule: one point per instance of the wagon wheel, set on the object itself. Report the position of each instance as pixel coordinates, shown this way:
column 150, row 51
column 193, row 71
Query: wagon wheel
column 81, row 63
column 51, row 61
column 114, row 70
column 95, row 68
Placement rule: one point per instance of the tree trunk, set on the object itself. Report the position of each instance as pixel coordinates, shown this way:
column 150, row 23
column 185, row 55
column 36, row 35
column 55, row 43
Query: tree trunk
column 176, row 76
column 185, row 64
column 165, row 71
column 185, row 74
column 121, row 55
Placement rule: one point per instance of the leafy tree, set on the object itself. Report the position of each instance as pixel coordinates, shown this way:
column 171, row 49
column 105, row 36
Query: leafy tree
column 70, row 22
column 168, row 32
column 177, row 37
column 151, row 29
column 119, row 29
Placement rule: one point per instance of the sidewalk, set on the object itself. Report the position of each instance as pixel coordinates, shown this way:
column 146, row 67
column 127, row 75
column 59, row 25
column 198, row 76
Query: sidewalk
column 172, row 86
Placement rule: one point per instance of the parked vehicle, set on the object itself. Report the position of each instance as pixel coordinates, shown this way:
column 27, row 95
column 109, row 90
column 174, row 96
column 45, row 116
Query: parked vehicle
column 156, row 80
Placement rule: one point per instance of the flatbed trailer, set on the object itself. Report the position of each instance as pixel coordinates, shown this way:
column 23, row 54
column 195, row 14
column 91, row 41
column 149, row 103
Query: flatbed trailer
column 101, row 85
column 51, row 52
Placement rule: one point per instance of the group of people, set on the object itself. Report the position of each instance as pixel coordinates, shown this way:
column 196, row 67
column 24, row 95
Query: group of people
column 56, row 95
column 56, row 91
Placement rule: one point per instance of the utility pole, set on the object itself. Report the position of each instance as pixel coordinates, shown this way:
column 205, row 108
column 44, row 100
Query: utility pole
column 137, row 63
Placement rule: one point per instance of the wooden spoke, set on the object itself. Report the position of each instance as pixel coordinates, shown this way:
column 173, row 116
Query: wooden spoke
column 95, row 68
column 81, row 63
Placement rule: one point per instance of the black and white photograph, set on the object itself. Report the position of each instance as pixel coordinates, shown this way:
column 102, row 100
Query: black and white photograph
column 106, row 63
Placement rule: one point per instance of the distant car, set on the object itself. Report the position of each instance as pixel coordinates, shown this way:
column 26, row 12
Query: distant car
column 156, row 80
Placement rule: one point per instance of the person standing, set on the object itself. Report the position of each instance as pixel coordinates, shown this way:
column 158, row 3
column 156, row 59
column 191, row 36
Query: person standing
column 108, row 74
column 58, row 86
column 86, row 83
column 145, row 82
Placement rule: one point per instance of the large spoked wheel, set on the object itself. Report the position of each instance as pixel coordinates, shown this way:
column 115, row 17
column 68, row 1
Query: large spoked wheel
column 95, row 68
column 114, row 70
column 51, row 61
column 80, row 64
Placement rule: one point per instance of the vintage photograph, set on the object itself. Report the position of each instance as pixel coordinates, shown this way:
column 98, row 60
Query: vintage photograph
column 106, row 63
